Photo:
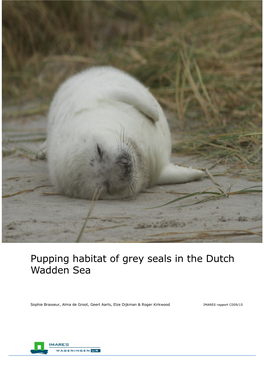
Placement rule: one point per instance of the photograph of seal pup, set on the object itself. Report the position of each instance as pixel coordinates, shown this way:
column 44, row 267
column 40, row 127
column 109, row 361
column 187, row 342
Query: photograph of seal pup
column 106, row 130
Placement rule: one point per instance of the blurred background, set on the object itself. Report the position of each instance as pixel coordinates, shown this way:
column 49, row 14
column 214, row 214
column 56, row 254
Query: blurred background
column 201, row 59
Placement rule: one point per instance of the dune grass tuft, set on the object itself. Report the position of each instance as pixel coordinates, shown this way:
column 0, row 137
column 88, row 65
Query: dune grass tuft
column 202, row 60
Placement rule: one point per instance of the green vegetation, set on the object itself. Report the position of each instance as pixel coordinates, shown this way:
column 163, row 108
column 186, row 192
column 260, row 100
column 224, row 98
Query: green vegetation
column 201, row 59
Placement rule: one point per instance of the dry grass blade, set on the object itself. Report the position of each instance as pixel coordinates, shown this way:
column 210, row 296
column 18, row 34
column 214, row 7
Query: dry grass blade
column 234, row 231
column 35, row 139
column 92, row 204
column 67, row 58
column 25, row 191
column 110, row 217
column 102, row 228
column 195, row 89
column 219, row 193
column 211, row 177
column 209, row 101
column 52, row 194
column 245, row 17
column 179, row 94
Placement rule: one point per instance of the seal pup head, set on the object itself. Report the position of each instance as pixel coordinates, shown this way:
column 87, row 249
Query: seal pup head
column 113, row 163
column 113, row 170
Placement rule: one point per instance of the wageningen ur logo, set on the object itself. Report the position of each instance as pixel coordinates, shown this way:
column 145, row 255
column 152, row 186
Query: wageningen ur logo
column 38, row 350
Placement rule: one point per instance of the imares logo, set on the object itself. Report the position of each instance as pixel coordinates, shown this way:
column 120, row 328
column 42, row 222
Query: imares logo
column 38, row 350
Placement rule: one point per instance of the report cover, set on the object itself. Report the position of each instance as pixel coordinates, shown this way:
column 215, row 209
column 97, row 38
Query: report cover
column 132, row 195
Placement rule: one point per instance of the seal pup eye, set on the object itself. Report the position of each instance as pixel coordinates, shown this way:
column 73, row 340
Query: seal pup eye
column 100, row 152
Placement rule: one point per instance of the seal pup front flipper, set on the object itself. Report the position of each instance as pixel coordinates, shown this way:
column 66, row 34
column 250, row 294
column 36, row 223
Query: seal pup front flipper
column 172, row 174
column 144, row 103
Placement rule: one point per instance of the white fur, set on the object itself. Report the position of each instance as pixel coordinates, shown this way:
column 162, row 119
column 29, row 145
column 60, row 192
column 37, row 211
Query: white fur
column 107, row 108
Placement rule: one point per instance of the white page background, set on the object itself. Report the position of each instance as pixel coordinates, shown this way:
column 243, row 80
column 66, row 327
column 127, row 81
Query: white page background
column 187, row 327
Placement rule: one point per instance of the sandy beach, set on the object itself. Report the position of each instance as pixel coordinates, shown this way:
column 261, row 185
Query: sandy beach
column 33, row 212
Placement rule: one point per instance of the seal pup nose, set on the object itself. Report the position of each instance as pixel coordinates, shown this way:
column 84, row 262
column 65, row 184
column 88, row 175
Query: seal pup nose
column 126, row 164
column 125, row 161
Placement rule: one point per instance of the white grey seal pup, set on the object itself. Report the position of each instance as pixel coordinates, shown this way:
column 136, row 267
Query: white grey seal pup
column 106, row 130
